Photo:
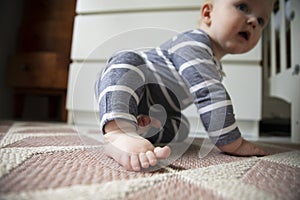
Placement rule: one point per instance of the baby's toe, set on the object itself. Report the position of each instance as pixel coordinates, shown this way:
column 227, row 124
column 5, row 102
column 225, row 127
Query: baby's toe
column 135, row 163
column 151, row 157
column 162, row 152
column 144, row 160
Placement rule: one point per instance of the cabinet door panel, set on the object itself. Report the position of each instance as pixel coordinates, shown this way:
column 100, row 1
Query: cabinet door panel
column 92, row 6
column 96, row 37
column 244, row 84
column 82, row 78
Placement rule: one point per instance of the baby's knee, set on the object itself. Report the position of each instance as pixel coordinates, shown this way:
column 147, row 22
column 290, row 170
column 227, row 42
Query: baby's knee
column 127, row 57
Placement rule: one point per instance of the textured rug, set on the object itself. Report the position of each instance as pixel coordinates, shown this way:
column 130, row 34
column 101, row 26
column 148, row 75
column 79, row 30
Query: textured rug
column 56, row 161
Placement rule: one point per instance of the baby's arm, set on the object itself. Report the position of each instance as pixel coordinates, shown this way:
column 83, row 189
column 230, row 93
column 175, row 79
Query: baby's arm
column 242, row 147
column 199, row 69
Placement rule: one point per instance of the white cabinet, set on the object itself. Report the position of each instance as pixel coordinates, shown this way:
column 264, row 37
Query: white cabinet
column 103, row 27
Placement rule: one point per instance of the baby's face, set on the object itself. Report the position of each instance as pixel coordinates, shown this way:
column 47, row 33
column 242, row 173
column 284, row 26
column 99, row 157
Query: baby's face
column 236, row 25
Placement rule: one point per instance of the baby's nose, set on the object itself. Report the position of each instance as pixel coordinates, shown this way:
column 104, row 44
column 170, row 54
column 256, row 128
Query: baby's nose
column 252, row 21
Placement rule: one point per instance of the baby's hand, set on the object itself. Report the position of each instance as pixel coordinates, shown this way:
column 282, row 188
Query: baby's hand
column 242, row 147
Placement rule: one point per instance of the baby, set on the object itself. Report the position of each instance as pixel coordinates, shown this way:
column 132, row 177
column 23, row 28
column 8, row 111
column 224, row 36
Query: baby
column 141, row 94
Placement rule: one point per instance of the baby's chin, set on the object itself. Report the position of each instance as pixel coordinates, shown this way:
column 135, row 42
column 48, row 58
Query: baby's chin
column 240, row 51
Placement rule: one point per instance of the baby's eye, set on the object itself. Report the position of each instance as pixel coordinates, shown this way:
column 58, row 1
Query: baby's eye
column 243, row 7
column 261, row 21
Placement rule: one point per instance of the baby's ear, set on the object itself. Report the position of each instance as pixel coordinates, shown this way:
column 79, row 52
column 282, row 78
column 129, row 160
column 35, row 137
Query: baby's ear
column 206, row 10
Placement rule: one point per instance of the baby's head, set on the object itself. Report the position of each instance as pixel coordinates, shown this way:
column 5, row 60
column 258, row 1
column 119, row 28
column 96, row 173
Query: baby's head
column 267, row 3
column 234, row 26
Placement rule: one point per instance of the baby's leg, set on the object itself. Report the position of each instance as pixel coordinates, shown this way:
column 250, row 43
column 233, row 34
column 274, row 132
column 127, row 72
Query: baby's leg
column 175, row 129
column 120, row 91
column 130, row 149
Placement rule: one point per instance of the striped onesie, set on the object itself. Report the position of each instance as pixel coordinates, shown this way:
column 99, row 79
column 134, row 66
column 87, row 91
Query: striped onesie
column 162, row 82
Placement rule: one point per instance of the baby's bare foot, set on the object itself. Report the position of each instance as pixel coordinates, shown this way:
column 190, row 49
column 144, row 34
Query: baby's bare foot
column 132, row 151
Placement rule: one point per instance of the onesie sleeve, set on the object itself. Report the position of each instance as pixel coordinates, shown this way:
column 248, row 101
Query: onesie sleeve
column 192, row 56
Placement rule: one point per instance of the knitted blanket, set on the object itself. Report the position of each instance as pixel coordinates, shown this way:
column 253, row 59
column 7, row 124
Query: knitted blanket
column 60, row 161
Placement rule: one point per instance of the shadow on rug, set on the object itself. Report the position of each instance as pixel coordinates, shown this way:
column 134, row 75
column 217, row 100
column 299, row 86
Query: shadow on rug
column 54, row 161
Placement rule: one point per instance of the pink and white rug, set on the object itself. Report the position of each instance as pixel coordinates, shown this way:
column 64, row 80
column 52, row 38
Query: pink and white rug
column 54, row 161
